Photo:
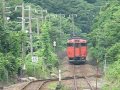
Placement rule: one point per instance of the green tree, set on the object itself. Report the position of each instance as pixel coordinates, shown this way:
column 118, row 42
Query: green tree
column 106, row 29
column 46, row 45
column 105, row 38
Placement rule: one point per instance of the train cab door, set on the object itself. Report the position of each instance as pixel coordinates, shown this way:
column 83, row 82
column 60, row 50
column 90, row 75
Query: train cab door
column 70, row 50
column 77, row 50
column 83, row 49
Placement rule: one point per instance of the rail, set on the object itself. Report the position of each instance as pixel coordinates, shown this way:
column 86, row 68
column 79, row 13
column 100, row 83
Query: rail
column 88, row 82
column 44, row 81
column 75, row 79
column 83, row 76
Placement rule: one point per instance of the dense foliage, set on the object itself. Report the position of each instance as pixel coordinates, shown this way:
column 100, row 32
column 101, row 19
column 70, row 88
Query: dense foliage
column 106, row 28
column 105, row 39
column 86, row 10
column 15, row 43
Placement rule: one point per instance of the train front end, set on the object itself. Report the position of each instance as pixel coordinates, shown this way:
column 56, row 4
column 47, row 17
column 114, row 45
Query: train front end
column 77, row 50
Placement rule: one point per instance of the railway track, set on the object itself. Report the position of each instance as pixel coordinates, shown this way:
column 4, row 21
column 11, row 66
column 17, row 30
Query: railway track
column 37, row 84
column 86, row 79
column 33, row 85
column 84, row 76
column 77, row 76
column 76, row 79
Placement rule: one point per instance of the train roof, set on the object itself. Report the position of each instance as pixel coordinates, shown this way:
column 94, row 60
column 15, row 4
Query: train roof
column 77, row 40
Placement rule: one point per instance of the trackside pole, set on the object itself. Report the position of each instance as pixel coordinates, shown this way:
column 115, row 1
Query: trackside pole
column 59, row 84
column 59, row 77
column 96, row 75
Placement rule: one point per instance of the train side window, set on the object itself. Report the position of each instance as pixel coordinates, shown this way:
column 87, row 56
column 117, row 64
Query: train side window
column 77, row 44
column 83, row 44
column 69, row 44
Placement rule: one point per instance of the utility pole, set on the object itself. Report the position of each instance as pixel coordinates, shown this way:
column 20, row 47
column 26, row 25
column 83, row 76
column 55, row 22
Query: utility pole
column 4, row 27
column 29, row 9
column 30, row 30
column 3, row 13
column 105, row 64
column 23, row 17
column 29, row 18
column 23, row 26
column 97, row 76
column 23, row 29
column 37, row 19
column 38, row 30
column 61, row 15
column 73, row 24
column 59, row 61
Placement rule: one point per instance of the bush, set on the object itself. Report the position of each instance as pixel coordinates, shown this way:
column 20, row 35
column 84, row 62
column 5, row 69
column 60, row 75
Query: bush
column 113, row 76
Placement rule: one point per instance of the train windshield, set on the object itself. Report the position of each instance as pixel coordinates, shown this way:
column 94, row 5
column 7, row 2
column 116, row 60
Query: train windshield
column 70, row 44
column 83, row 44
column 77, row 45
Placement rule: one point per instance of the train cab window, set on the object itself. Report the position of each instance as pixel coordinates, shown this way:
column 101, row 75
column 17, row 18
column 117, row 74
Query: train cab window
column 77, row 44
column 83, row 44
column 69, row 44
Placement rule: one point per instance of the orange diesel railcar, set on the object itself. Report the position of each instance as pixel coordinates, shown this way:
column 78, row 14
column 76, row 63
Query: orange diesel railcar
column 77, row 50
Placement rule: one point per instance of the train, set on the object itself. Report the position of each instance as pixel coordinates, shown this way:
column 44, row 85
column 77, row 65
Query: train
column 77, row 50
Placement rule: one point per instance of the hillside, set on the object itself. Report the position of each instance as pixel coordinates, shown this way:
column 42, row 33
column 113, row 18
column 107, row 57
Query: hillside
column 28, row 29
